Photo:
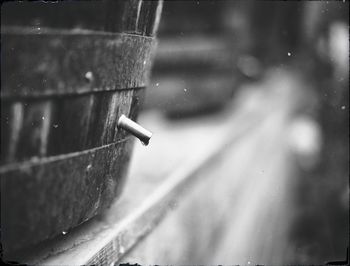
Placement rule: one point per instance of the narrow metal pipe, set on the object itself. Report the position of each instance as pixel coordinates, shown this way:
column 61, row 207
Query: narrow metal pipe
column 135, row 129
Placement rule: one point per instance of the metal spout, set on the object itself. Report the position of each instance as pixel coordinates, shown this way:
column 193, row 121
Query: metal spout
column 135, row 129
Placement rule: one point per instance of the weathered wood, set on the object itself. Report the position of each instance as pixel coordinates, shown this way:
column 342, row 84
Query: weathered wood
column 73, row 120
column 52, row 126
column 66, row 80
column 108, row 15
column 149, row 17
column 135, row 16
column 34, row 130
column 136, row 103
column 11, row 122
column 47, row 62
column 41, row 198
column 26, row 128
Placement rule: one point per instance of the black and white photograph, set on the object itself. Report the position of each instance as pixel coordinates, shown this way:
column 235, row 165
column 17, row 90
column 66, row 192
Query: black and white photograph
column 174, row 132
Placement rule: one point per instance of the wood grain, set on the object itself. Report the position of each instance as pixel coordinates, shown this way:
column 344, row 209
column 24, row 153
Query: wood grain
column 107, row 16
column 37, row 128
column 59, row 192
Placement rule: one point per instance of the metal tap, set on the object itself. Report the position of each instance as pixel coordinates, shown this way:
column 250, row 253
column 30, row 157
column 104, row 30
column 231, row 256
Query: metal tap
column 135, row 129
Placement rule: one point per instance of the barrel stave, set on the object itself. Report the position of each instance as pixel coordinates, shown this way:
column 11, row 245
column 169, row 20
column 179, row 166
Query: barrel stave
column 60, row 193
column 67, row 78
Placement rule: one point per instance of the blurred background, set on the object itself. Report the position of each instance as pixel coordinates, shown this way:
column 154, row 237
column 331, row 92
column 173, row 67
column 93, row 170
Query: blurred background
column 280, row 71
column 289, row 60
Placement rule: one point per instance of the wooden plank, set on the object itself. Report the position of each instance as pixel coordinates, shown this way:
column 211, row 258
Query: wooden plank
column 59, row 192
column 72, row 122
column 51, row 184
column 26, row 130
column 149, row 17
column 139, row 17
column 58, row 125
column 126, row 18
column 48, row 62
column 11, row 123
column 63, row 91
column 137, row 101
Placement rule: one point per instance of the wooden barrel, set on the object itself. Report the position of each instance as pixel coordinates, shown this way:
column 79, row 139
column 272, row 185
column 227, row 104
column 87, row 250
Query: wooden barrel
column 69, row 71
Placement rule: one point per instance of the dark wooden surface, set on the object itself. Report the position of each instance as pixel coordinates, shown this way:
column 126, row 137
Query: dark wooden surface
column 47, row 62
column 53, row 197
column 37, row 128
column 139, row 17
column 43, row 198
column 68, row 72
